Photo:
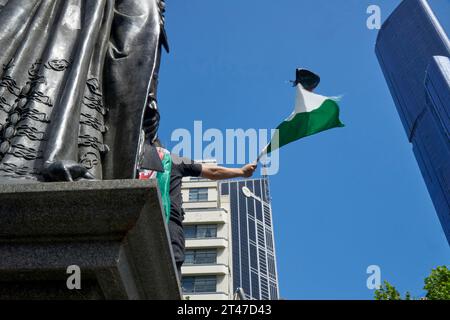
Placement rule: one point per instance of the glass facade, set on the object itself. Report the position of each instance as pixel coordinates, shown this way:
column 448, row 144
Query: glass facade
column 200, row 284
column 198, row 194
column 414, row 51
column 200, row 231
column 253, row 249
column 208, row 256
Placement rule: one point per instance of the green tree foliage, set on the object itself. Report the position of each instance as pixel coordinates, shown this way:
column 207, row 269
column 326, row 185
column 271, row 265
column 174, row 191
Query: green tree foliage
column 389, row 292
column 437, row 285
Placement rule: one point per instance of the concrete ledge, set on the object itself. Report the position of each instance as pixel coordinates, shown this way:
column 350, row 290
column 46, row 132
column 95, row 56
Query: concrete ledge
column 206, row 243
column 113, row 230
column 205, row 269
column 207, row 296
column 217, row 216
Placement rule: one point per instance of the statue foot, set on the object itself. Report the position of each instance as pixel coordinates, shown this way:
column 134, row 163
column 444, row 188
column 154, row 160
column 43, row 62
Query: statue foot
column 65, row 170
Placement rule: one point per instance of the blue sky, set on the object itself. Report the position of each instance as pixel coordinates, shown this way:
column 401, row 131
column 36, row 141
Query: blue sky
column 344, row 199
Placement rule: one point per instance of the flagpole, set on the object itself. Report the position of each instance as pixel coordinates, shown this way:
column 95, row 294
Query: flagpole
column 262, row 153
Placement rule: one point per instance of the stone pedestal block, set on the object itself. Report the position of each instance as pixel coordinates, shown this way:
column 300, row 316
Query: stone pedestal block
column 114, row 231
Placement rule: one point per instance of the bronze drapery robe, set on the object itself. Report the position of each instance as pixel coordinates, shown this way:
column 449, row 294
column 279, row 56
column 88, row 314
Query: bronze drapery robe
column 76, row 78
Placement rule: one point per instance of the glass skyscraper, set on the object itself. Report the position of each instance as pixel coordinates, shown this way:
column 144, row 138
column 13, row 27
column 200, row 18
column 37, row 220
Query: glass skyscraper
column 413, row 51
column 254, row 265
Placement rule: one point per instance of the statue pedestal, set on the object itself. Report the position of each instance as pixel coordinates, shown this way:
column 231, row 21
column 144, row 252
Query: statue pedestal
column 114, row 231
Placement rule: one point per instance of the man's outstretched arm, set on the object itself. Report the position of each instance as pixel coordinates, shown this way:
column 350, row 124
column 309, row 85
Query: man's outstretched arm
column 221, row 173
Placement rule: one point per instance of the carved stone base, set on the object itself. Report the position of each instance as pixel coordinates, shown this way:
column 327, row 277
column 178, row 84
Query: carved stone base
column 114, row 231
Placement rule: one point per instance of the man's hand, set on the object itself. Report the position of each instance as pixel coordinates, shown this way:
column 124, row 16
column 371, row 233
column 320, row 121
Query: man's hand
column 248, row 170
column 221, row 173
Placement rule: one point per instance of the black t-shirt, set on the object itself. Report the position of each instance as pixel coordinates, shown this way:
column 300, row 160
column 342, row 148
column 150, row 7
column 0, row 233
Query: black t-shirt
column 181, row 167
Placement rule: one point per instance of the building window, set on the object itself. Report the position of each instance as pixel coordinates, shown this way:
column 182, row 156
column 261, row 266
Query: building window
column 203, row 284
column 225, row 189
column 198, row 194
column 200, row 231
column 273, row 291
column 201, row 256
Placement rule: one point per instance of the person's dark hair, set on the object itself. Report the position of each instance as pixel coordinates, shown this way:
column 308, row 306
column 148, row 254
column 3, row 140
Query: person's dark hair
column 157, row 143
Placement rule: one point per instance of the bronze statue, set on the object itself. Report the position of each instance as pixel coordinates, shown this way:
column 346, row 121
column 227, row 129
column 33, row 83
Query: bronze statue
column 78, row 82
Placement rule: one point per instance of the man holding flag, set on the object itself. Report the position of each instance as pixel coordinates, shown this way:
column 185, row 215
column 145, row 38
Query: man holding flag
column 312, row 114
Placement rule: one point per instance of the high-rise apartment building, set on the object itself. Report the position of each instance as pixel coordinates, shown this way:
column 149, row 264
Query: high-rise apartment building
column 206, row 272
column 414, row 51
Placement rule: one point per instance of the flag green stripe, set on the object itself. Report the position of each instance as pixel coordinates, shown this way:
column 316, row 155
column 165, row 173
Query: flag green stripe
column 307, row 123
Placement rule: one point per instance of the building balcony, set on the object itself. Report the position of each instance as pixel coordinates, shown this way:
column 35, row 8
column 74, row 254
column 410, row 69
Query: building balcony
column 207, row 204
column 206, row 296
column 204, row 269
column 206, row 243
column 202, row 183
column 217, row 216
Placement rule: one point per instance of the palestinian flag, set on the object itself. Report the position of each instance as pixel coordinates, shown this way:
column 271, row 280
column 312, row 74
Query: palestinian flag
column 313, row 113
